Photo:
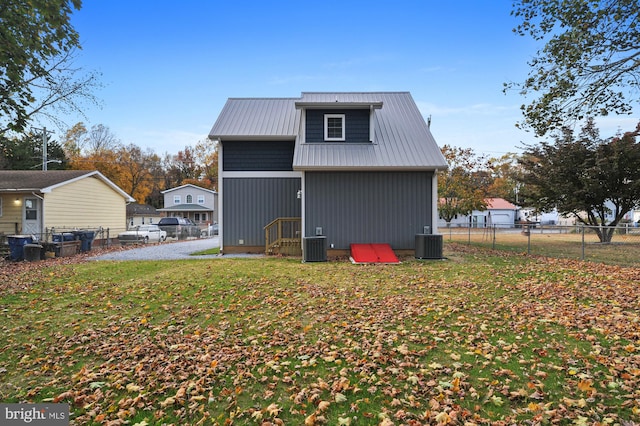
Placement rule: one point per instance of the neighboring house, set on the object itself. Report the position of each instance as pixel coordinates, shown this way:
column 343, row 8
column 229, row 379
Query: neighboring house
column 499, row 212
column 32, row 202
column 193, row 202
column 528, row 214
column 141, row 214
column 351, row 167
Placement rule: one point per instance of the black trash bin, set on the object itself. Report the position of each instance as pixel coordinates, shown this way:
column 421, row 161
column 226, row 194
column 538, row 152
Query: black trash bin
column 16, row 245
column 33, row 252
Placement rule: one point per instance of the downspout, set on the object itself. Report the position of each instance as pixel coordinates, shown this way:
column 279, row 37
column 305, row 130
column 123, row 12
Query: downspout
column 220, row 197
column 303, row 193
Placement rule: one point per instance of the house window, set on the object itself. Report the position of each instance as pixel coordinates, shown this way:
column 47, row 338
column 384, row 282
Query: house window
column 177, row 199
column 189, row 199
column 334, row 127
column 30, row 209
column 200, row 199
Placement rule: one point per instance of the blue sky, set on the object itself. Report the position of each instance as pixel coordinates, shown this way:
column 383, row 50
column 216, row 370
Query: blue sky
column 168, row 67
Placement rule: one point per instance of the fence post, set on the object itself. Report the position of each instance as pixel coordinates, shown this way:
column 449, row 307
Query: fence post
column 493, row 245
column 582, row 242
column 469, row 235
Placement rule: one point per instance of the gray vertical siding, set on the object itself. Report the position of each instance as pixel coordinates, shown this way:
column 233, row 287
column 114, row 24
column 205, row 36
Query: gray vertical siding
column 258, row 155
column 368, row 207
column 251, row 203
column 356, row 125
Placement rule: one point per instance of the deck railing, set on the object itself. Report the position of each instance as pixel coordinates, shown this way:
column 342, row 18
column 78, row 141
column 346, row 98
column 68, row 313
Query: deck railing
column 283, row 236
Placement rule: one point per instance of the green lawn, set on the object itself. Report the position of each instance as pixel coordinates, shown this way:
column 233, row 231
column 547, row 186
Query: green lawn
column 624, row 249
column 481, row 338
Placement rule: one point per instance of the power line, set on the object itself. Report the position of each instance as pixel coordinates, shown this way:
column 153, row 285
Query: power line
column 45, row 140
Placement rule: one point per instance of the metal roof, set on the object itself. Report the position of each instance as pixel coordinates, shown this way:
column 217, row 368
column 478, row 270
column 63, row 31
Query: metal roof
column 257, row 118
column 401, row 141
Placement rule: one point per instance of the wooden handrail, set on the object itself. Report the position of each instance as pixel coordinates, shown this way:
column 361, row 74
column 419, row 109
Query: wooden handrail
column 283, row 236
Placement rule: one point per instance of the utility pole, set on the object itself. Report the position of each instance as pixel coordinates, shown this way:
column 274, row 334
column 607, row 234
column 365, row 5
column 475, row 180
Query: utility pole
column 45, row 139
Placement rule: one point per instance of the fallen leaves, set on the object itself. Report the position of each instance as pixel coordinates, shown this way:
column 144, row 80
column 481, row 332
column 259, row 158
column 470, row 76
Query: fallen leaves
column 280, row 343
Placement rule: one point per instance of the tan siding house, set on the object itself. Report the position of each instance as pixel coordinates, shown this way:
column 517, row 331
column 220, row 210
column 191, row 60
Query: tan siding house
column 36, row 201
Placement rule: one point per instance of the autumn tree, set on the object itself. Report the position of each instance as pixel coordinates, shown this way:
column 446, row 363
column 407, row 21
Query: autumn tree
column 141, row 173
column 594, row 180
column 460, row 188
column 180, row 168
column 80, row 141
column 196, row 166
column 589, row 65
column 37, row 74
column 135, row 171
column 206, row 155
column 92, row 149
column 505, row 183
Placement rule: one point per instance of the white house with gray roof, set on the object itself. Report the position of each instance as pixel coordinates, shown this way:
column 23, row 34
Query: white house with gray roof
column 350, row 167
column 193, row 202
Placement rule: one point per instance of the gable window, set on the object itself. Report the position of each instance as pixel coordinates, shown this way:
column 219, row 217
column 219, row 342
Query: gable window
column 200, row 199
column 177, row 199
column 189, row 199
column 334, row 127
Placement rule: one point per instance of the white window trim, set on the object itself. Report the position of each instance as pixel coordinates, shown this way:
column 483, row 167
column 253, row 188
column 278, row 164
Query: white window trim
column 200, row 199
column 177, row 199
column 186, row 198
column 326, row 128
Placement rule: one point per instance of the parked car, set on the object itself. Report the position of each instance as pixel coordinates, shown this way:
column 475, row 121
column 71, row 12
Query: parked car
column 143, row 234
column 179, row 227
column 209, row 231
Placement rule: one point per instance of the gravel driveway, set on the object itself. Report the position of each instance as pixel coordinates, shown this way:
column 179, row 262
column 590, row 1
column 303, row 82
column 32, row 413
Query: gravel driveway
column 165, row 251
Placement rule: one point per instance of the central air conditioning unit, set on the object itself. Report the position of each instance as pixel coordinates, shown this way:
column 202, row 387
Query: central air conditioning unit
column 314, row 249
column 428, row 246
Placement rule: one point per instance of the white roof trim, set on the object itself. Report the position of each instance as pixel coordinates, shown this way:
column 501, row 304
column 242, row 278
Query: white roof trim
column 97, row 174
column 190, row 185
column 338, row 104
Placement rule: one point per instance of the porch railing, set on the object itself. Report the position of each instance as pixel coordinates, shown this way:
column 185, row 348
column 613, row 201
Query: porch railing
column 283, row 236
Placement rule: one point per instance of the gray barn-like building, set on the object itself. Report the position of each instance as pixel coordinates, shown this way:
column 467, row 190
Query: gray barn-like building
column 346, row 167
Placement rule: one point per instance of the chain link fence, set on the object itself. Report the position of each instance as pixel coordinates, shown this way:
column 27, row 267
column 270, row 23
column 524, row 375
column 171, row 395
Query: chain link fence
column 576, row 242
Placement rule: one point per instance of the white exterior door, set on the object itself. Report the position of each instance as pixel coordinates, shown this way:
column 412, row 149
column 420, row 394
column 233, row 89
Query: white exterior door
column 32, row 217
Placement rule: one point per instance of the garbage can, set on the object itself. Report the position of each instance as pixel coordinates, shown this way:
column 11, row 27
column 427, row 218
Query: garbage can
column 16, row 245
column 86, row 238
column 66, row 236
column 33, row 252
